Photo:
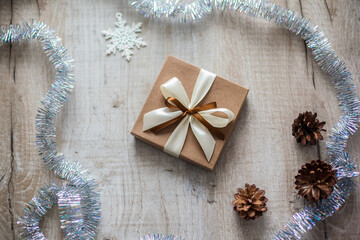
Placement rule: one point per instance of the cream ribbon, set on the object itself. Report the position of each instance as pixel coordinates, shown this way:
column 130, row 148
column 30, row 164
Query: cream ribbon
column 174, row 88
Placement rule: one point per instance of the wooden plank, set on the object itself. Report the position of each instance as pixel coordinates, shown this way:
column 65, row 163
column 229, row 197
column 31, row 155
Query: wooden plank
column 6, row 163
column 339, row 20
column 31, row 75
column 145, row 190
column 273, row 61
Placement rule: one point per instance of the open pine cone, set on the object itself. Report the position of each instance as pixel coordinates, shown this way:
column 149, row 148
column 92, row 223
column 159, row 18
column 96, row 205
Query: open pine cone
column 306, row 128
column 315, row 180
column 250, row 203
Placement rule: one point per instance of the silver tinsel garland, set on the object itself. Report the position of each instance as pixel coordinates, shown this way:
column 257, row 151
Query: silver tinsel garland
column 324, row 55
column 78, row 200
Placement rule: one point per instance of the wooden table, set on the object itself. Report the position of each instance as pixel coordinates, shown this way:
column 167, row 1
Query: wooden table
column 144, row 190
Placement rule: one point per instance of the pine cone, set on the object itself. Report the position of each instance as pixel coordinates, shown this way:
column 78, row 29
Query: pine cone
column 315, row 180
column 306, row 128
column 250, row 203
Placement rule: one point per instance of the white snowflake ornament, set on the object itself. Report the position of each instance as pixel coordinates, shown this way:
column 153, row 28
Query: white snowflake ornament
column 123, row 38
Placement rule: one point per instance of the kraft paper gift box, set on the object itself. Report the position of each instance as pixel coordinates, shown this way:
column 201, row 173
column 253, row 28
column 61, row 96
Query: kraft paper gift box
column 226, row 95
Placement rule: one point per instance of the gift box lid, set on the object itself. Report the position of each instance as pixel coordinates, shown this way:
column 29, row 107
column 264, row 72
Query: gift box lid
column 225, row 93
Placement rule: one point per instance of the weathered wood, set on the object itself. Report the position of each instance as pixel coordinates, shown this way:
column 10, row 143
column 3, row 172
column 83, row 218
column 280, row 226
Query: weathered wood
column 6, row 162
column 144, row 190
column 340, row 22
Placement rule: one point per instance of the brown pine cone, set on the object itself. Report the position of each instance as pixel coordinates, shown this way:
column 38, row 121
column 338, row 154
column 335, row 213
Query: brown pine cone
column 250, row 203
column 315, row 180
column 306, row 128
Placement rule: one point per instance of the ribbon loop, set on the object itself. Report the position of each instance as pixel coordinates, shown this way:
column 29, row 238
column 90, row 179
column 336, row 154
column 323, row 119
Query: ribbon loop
column 174, row 88
column 203, row 124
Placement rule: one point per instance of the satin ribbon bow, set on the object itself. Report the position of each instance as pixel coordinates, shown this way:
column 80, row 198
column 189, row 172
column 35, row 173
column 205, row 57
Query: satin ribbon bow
column 200, row 118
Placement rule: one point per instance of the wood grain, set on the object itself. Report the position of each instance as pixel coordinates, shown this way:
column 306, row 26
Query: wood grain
column 6, row 163
column 144, row 190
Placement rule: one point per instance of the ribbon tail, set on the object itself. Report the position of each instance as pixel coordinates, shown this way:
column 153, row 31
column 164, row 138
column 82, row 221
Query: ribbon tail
column 176, row 141
column 204, row 137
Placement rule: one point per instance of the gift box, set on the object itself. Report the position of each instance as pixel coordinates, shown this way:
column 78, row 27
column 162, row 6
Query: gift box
column 190, row 113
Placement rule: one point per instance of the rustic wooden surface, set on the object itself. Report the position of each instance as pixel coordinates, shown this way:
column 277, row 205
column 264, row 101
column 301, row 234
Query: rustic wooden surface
column 144, row 190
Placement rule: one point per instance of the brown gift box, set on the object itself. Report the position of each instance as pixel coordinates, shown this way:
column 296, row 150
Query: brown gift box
column 226, row 94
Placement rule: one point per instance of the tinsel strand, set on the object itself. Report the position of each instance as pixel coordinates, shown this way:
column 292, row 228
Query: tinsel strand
column 326, row 58
column 78, row 199
column 161, row 237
